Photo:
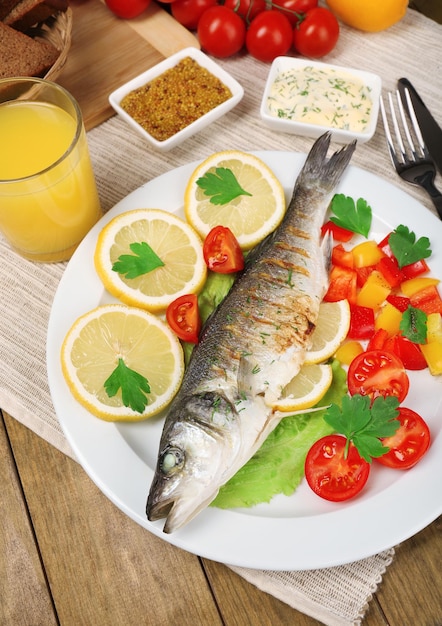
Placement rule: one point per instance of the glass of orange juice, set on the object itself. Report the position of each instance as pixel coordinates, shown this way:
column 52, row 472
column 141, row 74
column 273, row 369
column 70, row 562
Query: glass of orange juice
column 48, row 195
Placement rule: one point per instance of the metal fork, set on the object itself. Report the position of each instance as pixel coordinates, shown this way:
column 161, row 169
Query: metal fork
column 415, row 164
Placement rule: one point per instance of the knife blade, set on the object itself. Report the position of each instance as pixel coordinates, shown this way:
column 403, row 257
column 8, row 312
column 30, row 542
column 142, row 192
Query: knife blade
column 430, row 129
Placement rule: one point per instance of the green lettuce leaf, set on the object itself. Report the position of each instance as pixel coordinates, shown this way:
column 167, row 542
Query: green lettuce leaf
column 278, row 466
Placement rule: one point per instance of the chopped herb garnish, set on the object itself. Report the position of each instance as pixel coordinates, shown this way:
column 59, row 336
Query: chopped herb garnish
column 364, row 424
column 405, row 248
column 133, row 385
column 142, row 261
column 222, row 186
column 413, row 325
column 350, row 215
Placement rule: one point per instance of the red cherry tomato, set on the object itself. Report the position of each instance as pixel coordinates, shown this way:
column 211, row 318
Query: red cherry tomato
column 183, row 317
column 222, row 252
column 332, row 476
column 378, row 373
column 409, row 443
column 269, row 36
column 188, row 12
column 127, row 9
column 290, row 8
column 247, row 9
column 221, row 31
column 316, row 35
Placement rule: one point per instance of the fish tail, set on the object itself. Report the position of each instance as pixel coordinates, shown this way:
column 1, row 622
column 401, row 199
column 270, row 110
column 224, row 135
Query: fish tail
column 317, row 168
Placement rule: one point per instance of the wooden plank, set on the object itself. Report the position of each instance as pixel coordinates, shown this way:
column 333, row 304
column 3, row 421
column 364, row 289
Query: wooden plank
column 104, row 54
column 24, row 595
column 101, row 566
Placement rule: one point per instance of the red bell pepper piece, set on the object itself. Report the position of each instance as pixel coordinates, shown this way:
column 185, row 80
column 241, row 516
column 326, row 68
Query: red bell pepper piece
column 339, row 233
column 400, row 302
column 342, row 285
column 390, row 270
column 415, row 269
column 361, row 322
column 427, row 300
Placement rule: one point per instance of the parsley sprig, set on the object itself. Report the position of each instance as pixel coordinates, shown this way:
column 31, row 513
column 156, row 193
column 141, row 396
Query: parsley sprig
column 134, row 386
column 142, row 261
column 406, row 248
column 413, row 324
column 364, row 423
column 221, row 186
column 351, row 215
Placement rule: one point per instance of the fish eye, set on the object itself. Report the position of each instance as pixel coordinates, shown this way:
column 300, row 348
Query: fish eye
column 172, row 459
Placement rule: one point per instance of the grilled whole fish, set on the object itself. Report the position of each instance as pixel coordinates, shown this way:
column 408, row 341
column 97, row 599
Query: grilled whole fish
column 250, row 349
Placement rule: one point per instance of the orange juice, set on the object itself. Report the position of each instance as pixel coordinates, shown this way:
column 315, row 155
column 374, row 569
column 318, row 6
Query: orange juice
column 48, row 196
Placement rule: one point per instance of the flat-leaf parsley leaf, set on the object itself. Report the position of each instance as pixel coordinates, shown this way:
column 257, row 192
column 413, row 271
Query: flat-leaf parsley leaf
column 134, row 386
column 413, row 324
column 365, row 423
column 405, row 248
column 222, row 186
column 142, row 261
column 351, row 215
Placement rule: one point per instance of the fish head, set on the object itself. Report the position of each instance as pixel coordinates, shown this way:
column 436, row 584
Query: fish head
column 197, row 445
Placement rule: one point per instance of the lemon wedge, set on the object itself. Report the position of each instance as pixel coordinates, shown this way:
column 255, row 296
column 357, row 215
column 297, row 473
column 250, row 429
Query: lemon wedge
column 331, row 330
column 306, row 389
column 115, row 337
column 138, row 236
column 252, row 214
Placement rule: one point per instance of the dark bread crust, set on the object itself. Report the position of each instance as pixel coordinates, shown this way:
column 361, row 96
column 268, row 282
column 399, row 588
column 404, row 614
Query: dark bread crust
column 27, row 13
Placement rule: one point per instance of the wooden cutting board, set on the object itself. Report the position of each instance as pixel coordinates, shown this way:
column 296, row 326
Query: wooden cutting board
column 106, row 52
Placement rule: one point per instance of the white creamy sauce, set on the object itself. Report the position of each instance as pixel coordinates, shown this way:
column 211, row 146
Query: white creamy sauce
column 321, row 97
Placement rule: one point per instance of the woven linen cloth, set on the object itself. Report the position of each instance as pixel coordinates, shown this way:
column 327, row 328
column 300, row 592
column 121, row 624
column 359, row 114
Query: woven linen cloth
column 122, row 162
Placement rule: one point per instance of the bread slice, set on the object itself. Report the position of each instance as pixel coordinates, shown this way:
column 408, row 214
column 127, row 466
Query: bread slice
column 27, row 13
column 6, row 6
column 23, row 56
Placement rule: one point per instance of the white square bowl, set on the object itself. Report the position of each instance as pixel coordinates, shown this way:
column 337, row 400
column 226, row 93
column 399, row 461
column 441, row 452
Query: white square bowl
column 341, row 135
column 204, row 61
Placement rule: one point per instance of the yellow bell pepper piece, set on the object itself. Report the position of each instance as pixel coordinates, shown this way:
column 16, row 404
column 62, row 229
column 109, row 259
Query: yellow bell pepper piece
column 348, row 351
column 389, row 319
column 434, row 327
column 374, row 291
column 433, row 356
column 412, row 286
column 366, row 253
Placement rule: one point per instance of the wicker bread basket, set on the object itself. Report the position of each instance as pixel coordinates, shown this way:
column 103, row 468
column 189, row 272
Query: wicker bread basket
column 58, row 31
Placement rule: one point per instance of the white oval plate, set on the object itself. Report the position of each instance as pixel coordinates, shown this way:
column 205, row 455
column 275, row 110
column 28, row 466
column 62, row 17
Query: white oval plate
column 290, row 533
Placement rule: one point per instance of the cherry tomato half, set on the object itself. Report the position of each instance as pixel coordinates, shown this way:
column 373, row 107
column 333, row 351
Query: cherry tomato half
column 378, row 373
column 222, row 251
column 409, row 443
column 316, row 35
column 269, row 35
column 183, row 317
column 188, row 12
column 127, row 9
column 221, row 31
column 330, row 475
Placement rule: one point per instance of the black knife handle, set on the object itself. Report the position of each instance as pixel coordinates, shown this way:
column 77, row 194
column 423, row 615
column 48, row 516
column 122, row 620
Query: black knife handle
column 436, row 196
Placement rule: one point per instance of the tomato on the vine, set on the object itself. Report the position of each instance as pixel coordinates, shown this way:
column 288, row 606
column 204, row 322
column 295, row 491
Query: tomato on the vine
column 269, row 36
column 188, row 12
column 247, row 9
column 127, row 9
column 293, row 8
column 222, row 252
column 378, row 373
column 409, row 443
column 332, row 475
column 221, row 31
column 317, row 33
column 183, row 317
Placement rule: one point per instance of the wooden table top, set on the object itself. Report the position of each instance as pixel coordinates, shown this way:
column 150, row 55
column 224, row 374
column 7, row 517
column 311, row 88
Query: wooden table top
column 63, row 561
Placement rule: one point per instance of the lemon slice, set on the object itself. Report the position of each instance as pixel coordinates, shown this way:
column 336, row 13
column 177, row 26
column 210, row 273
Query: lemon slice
column 331, row 330
column 108, row 337
column 251, row 216
column 306, row 388
column 174, row 242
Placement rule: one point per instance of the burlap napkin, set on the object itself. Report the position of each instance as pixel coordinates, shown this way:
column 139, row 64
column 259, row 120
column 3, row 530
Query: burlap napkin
column 122, row 162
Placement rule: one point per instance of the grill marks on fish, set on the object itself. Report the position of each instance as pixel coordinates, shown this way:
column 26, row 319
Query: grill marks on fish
column 250, row 349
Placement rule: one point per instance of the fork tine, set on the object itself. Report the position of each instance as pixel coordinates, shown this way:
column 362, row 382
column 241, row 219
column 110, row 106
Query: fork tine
column 388, row 136
column 397, row 132
column 415, row 123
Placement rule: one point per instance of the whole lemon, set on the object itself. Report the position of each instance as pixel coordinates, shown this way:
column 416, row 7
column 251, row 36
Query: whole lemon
column 369, row 15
